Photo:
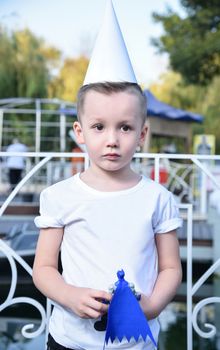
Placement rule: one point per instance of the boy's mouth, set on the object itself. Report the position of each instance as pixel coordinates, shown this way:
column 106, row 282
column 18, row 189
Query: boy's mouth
column 111, row 156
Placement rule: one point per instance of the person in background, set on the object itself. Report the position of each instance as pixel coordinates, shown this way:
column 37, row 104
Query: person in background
column 15, row 164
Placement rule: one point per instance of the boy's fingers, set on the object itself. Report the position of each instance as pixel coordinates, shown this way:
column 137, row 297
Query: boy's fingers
column 91, row 313
column 98, row 305
column 95, row 310
column 102, row 295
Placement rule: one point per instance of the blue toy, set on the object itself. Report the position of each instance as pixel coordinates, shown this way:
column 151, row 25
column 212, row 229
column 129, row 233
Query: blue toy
column 125, row 317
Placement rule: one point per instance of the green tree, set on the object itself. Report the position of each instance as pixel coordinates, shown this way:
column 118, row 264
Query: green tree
column 210, row 108
column 25, row 64
column 7, row 66
column 69, row 79
column 172, row 89
column 32, row 64
column 192, row 42
column 204, row 100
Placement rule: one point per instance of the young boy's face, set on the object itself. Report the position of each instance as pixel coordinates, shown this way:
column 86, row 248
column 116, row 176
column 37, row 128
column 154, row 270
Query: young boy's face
column 111, row 126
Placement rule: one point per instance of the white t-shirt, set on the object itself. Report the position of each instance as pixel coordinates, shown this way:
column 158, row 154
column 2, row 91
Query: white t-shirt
column 105, row 232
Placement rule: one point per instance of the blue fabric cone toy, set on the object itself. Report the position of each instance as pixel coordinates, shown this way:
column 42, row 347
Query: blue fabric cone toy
column 125, row 316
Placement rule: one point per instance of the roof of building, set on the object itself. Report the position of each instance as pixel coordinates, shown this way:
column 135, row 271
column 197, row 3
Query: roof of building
column 160, row 109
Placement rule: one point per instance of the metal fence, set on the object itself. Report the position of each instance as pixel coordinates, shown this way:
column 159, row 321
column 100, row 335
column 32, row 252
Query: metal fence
column 193, row 174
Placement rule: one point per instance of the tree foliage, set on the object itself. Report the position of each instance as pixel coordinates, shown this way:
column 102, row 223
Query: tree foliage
column 210, row 108
column 173, row 90
column 7, row 66
column 204, row 100
column 192, row 42
column 31, row 68
column 25, row 64
column 69, row 79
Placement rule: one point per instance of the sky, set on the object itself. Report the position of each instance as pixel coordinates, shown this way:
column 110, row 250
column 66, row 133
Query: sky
column 72, row 26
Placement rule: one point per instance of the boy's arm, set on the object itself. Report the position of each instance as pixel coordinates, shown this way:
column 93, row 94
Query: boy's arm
column 85, row 302
column 169, row 275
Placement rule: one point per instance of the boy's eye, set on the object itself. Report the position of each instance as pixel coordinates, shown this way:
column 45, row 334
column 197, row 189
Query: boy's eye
column 98, row 127
column 125, row 128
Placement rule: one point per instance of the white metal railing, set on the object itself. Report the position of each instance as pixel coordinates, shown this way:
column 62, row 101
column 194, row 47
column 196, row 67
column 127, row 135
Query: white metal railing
column 192, row 313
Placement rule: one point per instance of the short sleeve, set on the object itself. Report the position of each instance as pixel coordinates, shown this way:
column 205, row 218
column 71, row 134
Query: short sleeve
column 167, row 217
column 49, row 211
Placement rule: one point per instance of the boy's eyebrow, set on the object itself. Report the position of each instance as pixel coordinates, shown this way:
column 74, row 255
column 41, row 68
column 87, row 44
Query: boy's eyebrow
column 126, row 121
column 103, row 120
column 95, row 119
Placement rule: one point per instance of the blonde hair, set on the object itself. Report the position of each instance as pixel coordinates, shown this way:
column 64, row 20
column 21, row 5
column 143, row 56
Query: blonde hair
column 108, row 88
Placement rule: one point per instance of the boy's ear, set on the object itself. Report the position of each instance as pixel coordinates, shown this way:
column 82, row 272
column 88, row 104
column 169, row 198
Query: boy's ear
column 77, row 128
column 143, row 135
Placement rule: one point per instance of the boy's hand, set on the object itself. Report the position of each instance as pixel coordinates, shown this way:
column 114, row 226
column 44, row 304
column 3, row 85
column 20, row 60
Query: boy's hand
column 87, row 302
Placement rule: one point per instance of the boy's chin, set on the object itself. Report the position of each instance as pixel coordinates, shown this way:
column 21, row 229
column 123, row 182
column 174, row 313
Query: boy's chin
column 113, row 168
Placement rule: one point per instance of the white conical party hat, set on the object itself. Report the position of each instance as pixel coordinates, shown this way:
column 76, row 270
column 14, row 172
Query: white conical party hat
column 110, row 60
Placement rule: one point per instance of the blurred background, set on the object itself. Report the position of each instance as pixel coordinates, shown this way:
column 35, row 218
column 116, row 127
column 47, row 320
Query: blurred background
column 174, row 47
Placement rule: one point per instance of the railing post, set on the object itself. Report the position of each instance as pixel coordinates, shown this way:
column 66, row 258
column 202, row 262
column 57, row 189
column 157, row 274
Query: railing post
column 157, row 169
column 203, row 198
column 1, row 127
column 62, row 130
column 215, row 222
column 192, row 315
column 38, row 128
column 189, row 279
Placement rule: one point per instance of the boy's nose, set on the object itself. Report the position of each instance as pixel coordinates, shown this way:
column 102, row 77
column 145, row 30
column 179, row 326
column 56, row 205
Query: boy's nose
column 112, row 140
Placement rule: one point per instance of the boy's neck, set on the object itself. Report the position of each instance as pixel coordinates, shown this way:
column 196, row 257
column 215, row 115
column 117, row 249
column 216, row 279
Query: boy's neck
column 109, row 181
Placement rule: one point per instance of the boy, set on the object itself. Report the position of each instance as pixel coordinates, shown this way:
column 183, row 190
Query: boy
column 105, row 219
